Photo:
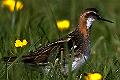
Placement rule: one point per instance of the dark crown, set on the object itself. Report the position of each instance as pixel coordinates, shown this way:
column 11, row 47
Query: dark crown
column 90, row 12
column 91, row 9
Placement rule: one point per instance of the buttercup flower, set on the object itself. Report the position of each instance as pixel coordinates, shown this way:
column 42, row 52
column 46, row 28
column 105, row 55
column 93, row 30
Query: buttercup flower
column 18, row 43
column 63, row 24
column 24, row 42
column 93, row 76
column 11, row 4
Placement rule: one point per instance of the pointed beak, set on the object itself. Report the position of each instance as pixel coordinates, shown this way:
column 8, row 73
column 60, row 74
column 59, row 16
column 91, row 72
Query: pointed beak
column 100, row 18
column 105, row 20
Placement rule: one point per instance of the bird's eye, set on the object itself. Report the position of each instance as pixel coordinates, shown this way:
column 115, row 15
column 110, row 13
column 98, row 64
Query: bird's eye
column 93, row 14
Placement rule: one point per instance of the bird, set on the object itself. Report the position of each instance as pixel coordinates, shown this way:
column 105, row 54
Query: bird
column 77, row 41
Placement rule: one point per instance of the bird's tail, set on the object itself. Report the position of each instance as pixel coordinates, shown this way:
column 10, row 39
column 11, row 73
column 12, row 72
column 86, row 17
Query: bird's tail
column 9, row 59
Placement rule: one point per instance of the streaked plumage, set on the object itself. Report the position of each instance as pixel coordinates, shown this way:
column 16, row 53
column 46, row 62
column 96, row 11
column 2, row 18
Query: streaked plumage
column 78, row 40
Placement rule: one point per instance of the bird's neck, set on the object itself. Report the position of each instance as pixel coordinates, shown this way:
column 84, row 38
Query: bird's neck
column 83, row 28
column 85, row 32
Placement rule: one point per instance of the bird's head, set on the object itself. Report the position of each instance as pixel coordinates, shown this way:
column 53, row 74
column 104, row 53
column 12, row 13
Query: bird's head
column 90, row 15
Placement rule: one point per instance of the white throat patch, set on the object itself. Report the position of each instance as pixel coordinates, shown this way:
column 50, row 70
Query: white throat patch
column 89, row 22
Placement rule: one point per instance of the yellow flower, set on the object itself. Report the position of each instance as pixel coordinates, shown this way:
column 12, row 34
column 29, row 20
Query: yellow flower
column 11, row 4
column 24, row 42
column 93, row 76
column 18, row 43
column 63, row 24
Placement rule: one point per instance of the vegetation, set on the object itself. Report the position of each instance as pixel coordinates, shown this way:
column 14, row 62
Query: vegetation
column 36, row 23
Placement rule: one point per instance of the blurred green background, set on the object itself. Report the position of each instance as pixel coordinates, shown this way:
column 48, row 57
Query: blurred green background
column 36, row 23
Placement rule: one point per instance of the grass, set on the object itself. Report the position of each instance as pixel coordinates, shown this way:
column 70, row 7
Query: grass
column 37, row 24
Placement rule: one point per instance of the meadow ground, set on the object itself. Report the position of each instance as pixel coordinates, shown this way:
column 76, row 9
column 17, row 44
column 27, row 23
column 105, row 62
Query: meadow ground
column 36, row 23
